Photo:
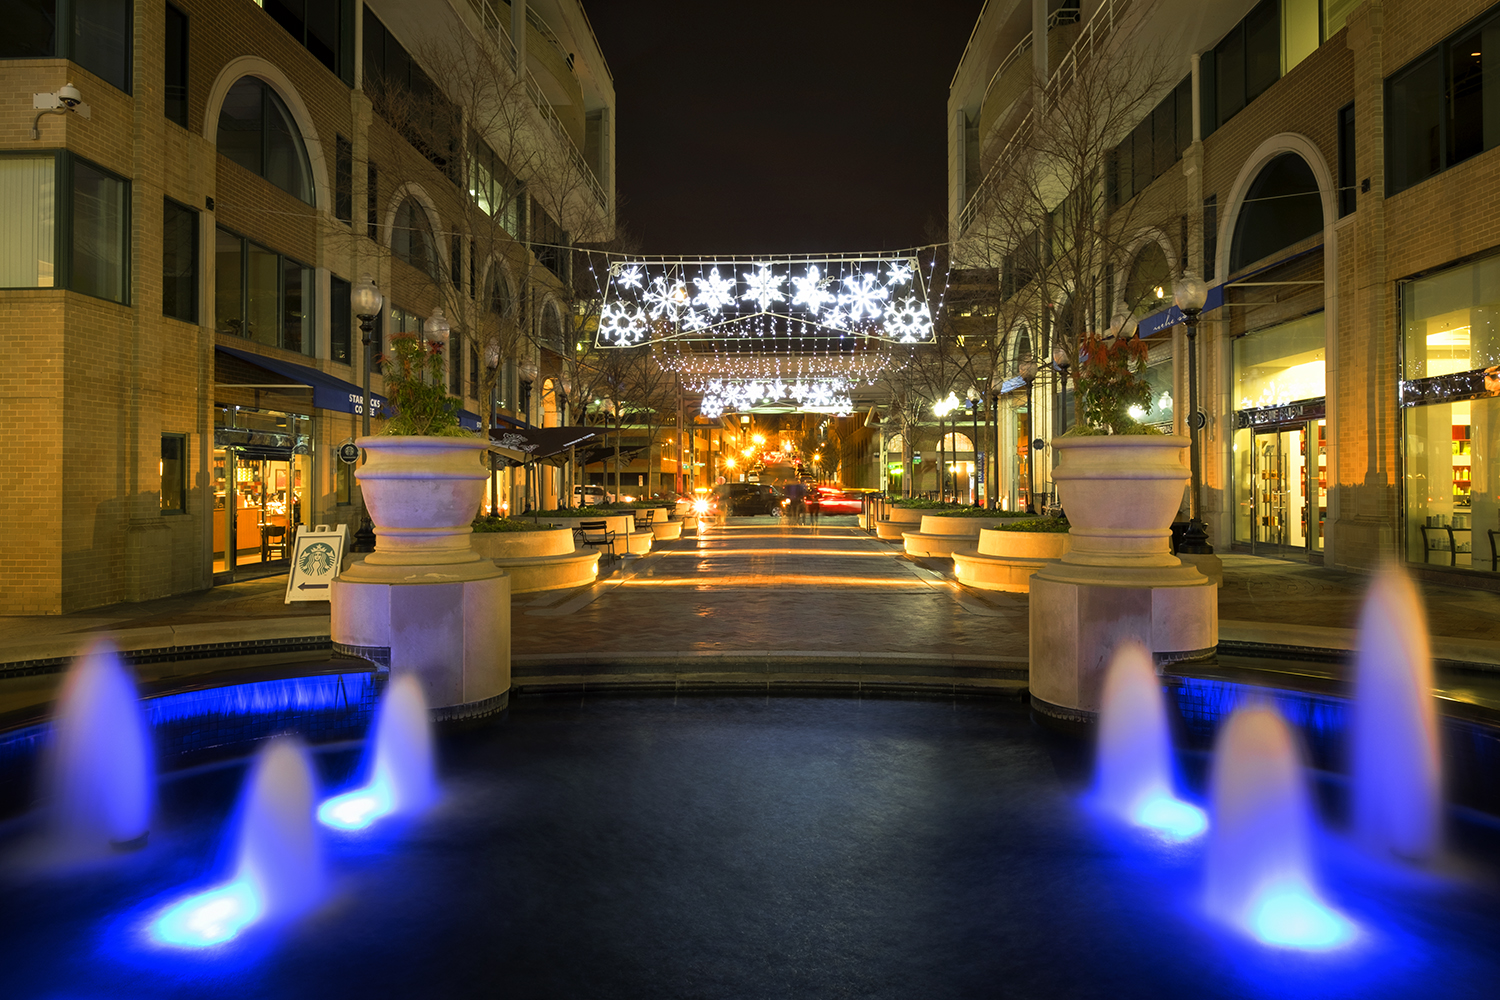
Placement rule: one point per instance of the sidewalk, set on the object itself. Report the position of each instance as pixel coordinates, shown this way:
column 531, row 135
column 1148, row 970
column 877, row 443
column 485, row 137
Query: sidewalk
column 760, row 595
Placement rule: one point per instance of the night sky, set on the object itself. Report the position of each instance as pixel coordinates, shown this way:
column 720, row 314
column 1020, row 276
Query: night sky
column 792, row 127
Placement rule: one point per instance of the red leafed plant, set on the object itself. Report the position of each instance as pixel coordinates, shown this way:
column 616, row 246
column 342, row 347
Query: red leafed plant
column 414, row 370
column 1111, row 379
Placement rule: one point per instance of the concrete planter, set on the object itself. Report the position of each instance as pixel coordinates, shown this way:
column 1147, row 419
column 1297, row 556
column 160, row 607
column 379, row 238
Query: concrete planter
column 628, row 541
column 898, row 520
column 522, row 544
column 538, row 560
column 942, row 535
column 1006, row 560
column 666, row 531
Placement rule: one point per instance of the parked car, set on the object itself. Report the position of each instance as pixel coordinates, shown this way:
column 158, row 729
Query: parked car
column 597, row 496
column 742, row 499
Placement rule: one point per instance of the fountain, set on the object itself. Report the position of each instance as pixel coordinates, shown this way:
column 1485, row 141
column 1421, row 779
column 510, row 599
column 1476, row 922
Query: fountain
column 399, row 763
column 1134, row 757
column 1394, row 756
column 100, row 771
column 279, row 871
column 1259, row 859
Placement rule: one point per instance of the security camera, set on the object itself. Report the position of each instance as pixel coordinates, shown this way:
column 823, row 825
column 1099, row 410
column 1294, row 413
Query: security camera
column 69, row 95
column 65, row 100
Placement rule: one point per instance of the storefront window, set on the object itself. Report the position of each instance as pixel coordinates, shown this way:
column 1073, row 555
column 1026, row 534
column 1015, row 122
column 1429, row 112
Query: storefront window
column 262, row 473
column 1281, row 364
column 1451, row 423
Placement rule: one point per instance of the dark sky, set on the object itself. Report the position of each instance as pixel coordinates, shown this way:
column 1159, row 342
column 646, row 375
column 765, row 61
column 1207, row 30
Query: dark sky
column 792, row 127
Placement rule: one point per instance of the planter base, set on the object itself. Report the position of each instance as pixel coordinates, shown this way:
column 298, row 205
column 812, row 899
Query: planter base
column 939, row 546
column 529, row 574
column 1075, row 628
column 986, row 572
column 453, row 635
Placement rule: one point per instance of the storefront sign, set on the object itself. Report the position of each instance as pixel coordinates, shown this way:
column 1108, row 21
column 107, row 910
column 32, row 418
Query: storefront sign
column 315, row 563
column 349, row 453
column 1275, row 416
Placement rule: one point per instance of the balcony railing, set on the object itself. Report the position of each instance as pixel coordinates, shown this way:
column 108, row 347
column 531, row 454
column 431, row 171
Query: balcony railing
column 501, row 37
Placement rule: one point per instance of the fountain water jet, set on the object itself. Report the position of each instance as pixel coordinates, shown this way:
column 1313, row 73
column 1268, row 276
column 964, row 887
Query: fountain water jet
column 101, row 771
column 400, row 763
column 279, row 870
column 1259, row 859
column 1134, row 757
column 1395, row 765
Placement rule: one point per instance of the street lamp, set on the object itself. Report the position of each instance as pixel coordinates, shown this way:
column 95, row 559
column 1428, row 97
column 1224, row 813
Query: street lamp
column 366, row 299
column 1191, row 293
column 436, row 330
column 1028, row 370
column 974, row 397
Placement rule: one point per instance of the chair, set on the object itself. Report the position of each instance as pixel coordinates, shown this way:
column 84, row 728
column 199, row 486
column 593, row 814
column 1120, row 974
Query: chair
column 275, row 539
column 1494, row 554
column 1427, row 546
column 595, row 534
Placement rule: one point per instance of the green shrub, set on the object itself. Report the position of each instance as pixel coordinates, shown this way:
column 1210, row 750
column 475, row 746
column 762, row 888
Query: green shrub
column 494, row 524
column 1055, row 525
column 579, row 512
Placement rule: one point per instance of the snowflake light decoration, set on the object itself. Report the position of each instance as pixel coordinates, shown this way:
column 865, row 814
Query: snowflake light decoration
column 898, row 273
column 630, row 276
column 621, row 324
column 764, row 287
column 862, row 296
column 666, row 300
column 714, row 291
column 909, row 320
column 811, row 290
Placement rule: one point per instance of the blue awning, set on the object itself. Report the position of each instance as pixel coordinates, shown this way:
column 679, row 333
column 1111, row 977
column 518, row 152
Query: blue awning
column 329, row 391
column 1171, row 316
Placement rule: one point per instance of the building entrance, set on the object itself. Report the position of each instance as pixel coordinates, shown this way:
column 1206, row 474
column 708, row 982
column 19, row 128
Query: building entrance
column 261, row 476
column 1283, row 489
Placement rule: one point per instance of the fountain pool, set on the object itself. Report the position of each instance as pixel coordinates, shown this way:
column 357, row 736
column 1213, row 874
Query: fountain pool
column 746, row 847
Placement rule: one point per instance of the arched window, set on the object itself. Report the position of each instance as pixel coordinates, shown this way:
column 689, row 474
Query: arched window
column 552, row 331
column 1148, row 287
column 502, row 300
column 1281, row 207
column 411, row 238
column 258, row 132
column 1023, row 344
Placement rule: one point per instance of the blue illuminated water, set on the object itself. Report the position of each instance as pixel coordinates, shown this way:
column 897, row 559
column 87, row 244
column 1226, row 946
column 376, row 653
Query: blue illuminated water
column 1133, row 757
column 749, row 848
column 101, row 768
column 400, row 776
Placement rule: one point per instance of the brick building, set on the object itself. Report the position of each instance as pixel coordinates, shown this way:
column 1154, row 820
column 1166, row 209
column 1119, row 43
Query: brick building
column 1329, row 167
column 176, row 267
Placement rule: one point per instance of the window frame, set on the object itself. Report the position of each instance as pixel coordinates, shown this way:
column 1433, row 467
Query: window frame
column 271, row 100
column 184, row 55
column 184, row 465
column 309, row 291
column 196, row 243
column 63, row 216
column 64, row 44
column 343, row 180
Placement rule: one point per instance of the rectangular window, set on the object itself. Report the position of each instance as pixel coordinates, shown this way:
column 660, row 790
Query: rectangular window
column 101, row 39
column 261, row 295
column 174, row 90
column 472, row 275
column 179, row 278
column 1262, row 48
column 323, row 27
column 1414, row 106
column 456, row 260
column 1210, row 236
column 100, row 225
column 372, row 200
column 1229, row 67
column 1164, row 136
column 28, row 221
column 340, row 321
column 1184, row 114
column 1141, row 159
column 343, row 179
column 174, row 474
column 474, row 371
column 456, row 364
column 1347, row 194
column 343, row 482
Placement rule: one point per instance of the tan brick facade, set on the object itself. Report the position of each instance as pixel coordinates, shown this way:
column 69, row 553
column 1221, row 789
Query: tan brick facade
column 94, row 384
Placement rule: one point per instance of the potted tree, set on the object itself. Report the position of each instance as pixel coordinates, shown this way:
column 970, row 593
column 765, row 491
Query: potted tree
column 1120, row 482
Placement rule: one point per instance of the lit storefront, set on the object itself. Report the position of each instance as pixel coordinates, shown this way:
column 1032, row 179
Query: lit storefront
column 1280, row 457
column 1450, row 416
column 262, row 472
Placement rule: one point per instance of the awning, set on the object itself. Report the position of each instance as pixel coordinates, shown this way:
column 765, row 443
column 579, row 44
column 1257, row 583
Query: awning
column 606, row 453
column 530, row 444
column 329, row 391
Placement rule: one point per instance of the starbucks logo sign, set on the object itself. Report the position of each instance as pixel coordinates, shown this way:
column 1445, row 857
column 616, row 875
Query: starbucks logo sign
column 316, row 559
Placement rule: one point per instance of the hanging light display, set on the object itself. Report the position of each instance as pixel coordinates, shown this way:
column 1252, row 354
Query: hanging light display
column 880, row 297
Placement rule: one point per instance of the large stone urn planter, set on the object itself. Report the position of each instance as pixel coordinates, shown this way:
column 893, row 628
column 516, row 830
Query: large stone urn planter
column 424, row 602
column 1119, row 580
column 1006, row 560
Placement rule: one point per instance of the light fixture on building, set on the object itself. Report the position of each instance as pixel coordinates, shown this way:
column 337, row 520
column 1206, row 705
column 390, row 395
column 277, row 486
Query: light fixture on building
column 1191, row 294
column 65, row 100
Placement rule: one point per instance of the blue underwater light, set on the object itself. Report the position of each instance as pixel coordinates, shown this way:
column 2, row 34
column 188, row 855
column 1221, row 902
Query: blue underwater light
column 1171, row 817
column 359, row 808
column 209, row 918
column 1293, row 917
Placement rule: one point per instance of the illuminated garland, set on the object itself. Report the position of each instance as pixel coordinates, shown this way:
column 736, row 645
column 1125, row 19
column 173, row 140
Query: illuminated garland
column 829, row 396
column 879, row 297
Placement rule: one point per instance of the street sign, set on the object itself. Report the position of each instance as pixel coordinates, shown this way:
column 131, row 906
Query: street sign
column 316, row 560
column 916, row 458
column 349, row 453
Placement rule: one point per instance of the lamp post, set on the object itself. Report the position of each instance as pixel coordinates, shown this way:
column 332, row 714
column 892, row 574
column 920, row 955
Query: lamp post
column 366, row 300
column 436, row 330
column 974, row 397
column 1191, row 293
column 1028, row 371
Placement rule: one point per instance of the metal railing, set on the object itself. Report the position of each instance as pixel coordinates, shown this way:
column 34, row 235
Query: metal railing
column 491, row 21
column 1090, row 40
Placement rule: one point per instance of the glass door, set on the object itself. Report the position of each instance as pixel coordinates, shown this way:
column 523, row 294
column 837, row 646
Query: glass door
column 1288, row 491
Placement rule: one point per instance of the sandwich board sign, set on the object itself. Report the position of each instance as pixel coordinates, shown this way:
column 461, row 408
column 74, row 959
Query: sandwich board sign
column 316, row 561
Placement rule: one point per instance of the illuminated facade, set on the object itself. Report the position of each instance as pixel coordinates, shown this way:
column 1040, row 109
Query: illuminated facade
column 1319, row 163
column 176, row 268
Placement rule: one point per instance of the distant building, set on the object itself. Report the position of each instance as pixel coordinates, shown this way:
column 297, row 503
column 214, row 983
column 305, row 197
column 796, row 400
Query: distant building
column 1325, row 165
column 176, row 268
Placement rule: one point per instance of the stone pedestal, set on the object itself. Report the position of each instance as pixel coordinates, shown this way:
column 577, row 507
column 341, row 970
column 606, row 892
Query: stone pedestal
column 453, row 634
column 1076, row 627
